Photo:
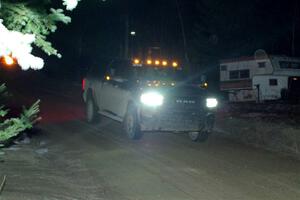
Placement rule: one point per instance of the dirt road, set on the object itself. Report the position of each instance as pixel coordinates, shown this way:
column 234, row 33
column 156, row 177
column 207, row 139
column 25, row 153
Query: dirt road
column 70, row 159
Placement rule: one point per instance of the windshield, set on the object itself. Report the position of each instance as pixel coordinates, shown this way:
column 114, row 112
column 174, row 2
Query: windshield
column 166, row 74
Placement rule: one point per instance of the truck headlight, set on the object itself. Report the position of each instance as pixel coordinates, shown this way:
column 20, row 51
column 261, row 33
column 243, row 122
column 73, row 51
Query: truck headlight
column 211, row 102
column 152, row 99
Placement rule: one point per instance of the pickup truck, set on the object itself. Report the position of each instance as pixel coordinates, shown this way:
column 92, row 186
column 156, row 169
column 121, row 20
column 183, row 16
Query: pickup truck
column 146, row 97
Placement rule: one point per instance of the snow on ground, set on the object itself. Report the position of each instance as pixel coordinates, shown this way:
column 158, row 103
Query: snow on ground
column 274, row 126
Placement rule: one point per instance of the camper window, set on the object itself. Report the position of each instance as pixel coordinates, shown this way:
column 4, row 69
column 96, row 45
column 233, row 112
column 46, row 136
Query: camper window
column 245, row 73
column 273, row 82
column 289, row 65
column 234, row 74
column 262, row 64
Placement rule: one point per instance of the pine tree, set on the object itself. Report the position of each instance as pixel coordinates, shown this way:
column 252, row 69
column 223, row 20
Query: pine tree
column 34, row 17
column 11, row 127
column 37, row 18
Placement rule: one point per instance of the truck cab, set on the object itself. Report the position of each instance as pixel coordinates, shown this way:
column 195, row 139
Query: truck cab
column 147, row 96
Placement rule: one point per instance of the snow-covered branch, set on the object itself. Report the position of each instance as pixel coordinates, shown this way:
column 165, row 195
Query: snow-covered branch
column 70, row 4
column 18, row 45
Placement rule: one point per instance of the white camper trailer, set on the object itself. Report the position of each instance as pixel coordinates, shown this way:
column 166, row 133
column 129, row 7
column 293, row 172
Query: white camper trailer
column 260, row 78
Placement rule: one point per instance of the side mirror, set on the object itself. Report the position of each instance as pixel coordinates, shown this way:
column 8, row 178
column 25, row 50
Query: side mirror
column 203, row 78
column 109, row 74
column 112, row 72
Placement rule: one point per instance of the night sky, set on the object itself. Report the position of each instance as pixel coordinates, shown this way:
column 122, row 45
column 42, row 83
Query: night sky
column 215, row 29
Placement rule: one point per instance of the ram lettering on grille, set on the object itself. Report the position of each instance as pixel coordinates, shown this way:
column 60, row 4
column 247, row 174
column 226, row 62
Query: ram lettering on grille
column 183, row 101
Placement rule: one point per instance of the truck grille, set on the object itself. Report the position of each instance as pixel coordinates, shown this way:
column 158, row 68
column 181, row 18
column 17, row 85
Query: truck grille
column 183, row 108
column 178, row 113
column 182, row 103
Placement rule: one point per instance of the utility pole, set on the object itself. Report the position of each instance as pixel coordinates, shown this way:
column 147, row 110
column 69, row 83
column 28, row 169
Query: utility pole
column 186, row 56
column 125, row 23
column 126, row 39
column 293, row 38
column 294, row 27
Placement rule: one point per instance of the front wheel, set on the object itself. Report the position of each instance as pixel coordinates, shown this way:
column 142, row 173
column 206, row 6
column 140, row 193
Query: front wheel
column 200, row 136
column 131, row 124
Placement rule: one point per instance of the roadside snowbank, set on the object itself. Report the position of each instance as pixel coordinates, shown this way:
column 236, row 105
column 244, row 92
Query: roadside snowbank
column 275, row 133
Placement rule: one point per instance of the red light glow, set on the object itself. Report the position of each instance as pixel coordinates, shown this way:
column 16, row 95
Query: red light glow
column 83, row 84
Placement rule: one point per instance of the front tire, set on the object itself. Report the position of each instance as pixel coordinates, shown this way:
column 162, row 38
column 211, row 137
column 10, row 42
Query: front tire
column 199, row 136
column 91, row 110
column 131, row 124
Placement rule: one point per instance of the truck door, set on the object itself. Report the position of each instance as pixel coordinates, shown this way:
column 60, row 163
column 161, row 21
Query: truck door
column 121, row 88
column 113, row 95
column 121, row 96
column 106, row 97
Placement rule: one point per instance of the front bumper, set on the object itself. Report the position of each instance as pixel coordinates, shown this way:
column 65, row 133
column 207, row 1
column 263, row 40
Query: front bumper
column 176, row 120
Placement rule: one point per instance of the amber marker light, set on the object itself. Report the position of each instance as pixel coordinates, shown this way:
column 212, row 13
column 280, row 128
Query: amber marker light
column 164, row 63
column 149, row 62
column 175, row 64
column 107, row 78
column 136, row 61
column 8, row 60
